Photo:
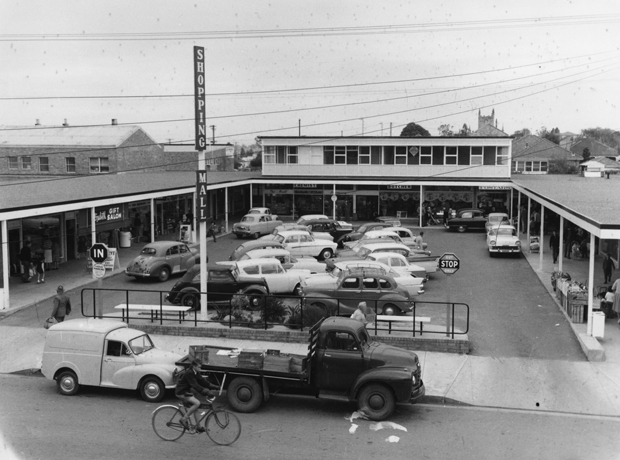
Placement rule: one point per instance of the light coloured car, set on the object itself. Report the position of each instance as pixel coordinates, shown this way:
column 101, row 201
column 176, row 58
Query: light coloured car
column 303, row 244
column 255, row 225
column 287, row 260
column 279, row 280
column 251, row 245
column 503, row 239
column 497, row 218
column 259, row 211
column 415, row 286
column 428, row 262
column 303, row 228
column 399, row 263
column 162, row 259
column 388, row 235
column 408, row 237
column 308, row 217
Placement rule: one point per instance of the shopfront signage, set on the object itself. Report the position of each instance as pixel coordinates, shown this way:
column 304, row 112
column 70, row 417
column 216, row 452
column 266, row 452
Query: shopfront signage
column 304, row 185
column 399, row 187
column 201, row 195
column 494, row 187
column 108, row 214
column 199, row 98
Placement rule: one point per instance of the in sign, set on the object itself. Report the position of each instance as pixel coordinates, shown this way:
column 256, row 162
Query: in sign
column 449, row 263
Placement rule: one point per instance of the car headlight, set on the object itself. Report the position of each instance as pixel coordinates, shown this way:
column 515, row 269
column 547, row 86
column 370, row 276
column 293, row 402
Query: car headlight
column 492, row 242
column 518, row 243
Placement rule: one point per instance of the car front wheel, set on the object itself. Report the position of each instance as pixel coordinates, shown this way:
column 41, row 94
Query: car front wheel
column 152, row 389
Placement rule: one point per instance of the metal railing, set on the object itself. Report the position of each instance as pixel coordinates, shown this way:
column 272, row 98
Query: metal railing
column 260, row 311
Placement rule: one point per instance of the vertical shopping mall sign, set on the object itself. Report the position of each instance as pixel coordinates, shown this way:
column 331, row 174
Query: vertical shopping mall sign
column 199, row 98
column 201, row 196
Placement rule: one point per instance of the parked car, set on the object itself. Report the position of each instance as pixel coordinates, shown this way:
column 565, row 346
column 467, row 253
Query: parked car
column 467, row 219
column 428, row 262
column 259, row 211
column 222, row 283
column 369, row 285
column 388, row 235
column 279, row 280
column 497, row 218
column 303, row 228
column 303, row 244
column 414, row 286
column 251, row 245
column 161, row 259
column 395, row 221
column 255, row 225
column 367, row 227
column 503, row 239
column 399, row 263
column 287, row 260
column 106, row 353
column 408, row 237
column 303, row 219
column 336, row 228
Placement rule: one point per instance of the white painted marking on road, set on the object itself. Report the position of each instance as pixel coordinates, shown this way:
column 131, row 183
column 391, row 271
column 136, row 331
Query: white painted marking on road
column 382, row 425
column 356, row 414
column 353, row 428
column 392, row 439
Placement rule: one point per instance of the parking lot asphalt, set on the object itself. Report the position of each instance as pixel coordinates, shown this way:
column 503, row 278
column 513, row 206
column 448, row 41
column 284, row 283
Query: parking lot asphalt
column 563, row 384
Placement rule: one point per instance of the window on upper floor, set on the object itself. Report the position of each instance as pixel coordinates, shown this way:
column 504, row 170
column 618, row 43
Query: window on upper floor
column 13, row 163
column 463, row 154
column 26, row 162
column 426, row 155
column 44, row 164
column 400, row 155
column 269, row 154
column 451, row 155
column 376, row 154
column 70, row 164
column 364, row 155
column 528, row 166
column 352, row 154
column 291, row 156
column 340, row 156
column 438, row 153
column 476, row 156
column 413, row 155
column 502, row 155
column 99, row 165
column 544, row 166
column 489, row 155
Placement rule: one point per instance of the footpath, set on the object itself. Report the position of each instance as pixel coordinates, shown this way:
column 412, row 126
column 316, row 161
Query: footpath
column 517, row 383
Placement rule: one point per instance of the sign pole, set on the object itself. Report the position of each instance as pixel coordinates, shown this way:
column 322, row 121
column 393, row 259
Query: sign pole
column 449, row 264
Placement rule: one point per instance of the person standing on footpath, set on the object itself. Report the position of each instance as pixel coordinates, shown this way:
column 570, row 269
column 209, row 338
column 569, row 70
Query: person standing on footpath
column 608, row 267
column 62, row 305
column 25, row 257
column 554, row 244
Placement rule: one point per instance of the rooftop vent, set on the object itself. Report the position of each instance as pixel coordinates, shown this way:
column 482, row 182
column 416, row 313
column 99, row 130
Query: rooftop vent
column 65, row 123
column 114, row 122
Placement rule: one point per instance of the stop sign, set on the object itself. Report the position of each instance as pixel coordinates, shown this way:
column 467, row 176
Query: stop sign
column 99, row 252
column 449, row 263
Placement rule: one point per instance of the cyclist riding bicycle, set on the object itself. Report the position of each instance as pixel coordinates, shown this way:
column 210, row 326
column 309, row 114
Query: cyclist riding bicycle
column 191, row 379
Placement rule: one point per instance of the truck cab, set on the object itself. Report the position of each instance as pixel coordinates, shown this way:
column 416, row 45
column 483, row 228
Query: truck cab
column 106, row 353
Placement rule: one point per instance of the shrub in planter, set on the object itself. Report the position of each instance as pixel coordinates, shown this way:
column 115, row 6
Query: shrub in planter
column 274, row 310
column 311, row 315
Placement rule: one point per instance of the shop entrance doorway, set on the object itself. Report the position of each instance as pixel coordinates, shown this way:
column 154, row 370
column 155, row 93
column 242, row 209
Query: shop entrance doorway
column 366, row 207
column 71, row 240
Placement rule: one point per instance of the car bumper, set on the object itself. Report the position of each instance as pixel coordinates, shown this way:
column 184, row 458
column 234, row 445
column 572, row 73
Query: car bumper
column 505, row 250
column 137, row 274
column 241, row 233
column 417, row 393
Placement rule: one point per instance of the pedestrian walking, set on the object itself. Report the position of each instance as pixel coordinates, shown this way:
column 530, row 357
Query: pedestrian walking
column 616, row 305
column 554, row 244
column 608, row 267
column 211, row 231
column 25, row 257
column 39, row 262
column 62, row 305
column 419, row 240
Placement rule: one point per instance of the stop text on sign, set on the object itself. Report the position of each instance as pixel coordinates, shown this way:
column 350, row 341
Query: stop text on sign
column 449, row 264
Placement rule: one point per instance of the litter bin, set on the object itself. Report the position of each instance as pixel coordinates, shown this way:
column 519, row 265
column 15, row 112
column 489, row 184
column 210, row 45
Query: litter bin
column 125, row 239
column 598, row 324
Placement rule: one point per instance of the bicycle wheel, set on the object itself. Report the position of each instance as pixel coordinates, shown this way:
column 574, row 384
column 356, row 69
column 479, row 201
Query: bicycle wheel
column 223, row 427
column 166, row 422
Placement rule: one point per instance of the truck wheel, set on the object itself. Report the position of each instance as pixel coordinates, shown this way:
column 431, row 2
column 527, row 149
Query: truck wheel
column 376, row 401
column 152, row 389
column 326, row 253
column 164, row 274
column 244, row 394
column 67, row 383
column 390, row 309
column 462, row 228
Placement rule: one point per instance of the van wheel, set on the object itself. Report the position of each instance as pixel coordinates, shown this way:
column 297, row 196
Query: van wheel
column 164, row 274
column 376, row 401
column 244, row 394
column 152, row 389
column 67, row 383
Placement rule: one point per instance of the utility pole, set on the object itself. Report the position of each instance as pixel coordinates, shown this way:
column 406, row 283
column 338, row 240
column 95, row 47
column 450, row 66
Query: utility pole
column 362, row 126
column 299, row 126
column 390, row 129
column 381, row 123
column 213, row 133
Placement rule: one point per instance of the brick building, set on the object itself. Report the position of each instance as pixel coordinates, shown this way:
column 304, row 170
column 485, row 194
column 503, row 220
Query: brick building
column 77, row 150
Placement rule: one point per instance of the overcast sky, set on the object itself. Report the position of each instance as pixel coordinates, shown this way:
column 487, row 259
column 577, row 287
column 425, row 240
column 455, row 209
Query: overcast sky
column 356, row 66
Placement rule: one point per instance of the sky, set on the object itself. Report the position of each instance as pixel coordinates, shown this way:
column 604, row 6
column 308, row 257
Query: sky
column 315, row 68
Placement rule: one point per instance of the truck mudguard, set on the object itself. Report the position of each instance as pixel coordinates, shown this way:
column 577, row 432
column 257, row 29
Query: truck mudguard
column 399, row 379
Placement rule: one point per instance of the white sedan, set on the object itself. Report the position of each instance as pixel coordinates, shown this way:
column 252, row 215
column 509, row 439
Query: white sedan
column 287, row 260
column 503, row 239
column 301, row 243
column 414, row 286
column 279, row 280
column 399, row 263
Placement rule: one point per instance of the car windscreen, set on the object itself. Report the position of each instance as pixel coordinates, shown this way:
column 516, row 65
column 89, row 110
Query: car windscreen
column 141, row 344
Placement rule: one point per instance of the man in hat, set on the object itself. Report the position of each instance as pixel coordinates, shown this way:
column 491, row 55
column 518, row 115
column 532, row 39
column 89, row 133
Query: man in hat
column 62, row 305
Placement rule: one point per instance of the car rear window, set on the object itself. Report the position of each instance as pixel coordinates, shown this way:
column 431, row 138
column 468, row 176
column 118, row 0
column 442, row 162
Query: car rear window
column 148, row 251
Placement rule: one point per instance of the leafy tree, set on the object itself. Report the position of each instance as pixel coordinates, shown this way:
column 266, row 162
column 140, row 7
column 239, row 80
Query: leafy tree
column 465, row 131
column 257, row 162
column 445, row 130
column 586, row 153
column 414, row 130
column 562, row 166
column 553, row 135
column 521, row 133
column 605, row 136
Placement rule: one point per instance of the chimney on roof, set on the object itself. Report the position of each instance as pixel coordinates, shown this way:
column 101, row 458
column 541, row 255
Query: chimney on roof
column 114, row 122
column 37, row 122
column 65, row 123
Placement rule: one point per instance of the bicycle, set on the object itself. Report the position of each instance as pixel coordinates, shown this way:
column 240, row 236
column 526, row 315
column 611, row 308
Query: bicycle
column 221, row 426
